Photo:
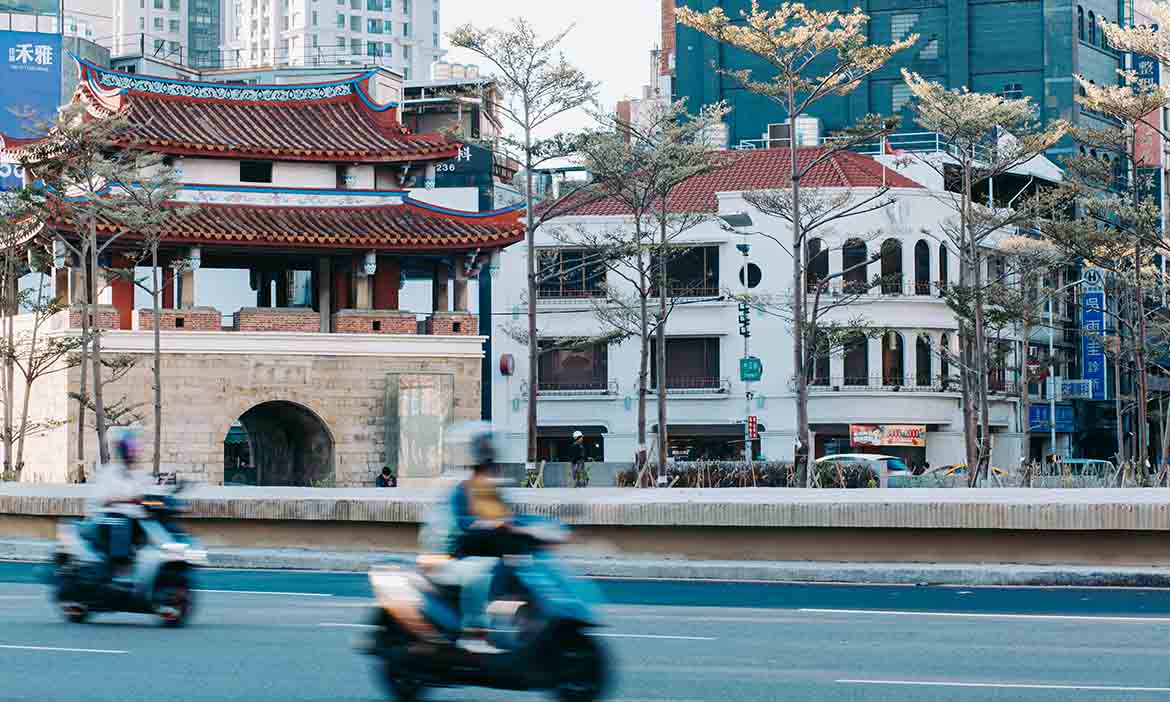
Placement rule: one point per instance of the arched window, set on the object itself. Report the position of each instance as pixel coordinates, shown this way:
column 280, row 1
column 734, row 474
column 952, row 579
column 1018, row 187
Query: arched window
column 1080, row 23
column 922, row 268
column 944, row 361
column 943, row 264
column 893, row 360
column 817, row 257
column 853, row 263
column 857, row 361
column 922, row 361
column 891, row 267
column 1092, row 28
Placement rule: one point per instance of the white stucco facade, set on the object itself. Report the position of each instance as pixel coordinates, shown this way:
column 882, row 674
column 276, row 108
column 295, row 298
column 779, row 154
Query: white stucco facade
column 881, row 396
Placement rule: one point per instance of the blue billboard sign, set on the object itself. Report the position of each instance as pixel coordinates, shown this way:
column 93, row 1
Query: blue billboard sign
column 1093, row 362
column 30, row 73
column 1147, row 68
column 1038, row 418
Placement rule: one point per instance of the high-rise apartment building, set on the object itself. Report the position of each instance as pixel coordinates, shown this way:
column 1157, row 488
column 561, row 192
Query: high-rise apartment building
column 400, row 34
column 188, row 32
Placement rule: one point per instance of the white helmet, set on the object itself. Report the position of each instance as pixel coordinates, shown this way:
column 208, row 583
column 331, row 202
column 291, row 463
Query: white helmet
column 578, row 435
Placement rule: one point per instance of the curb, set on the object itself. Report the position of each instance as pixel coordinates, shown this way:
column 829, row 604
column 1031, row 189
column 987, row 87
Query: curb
column 987, row 574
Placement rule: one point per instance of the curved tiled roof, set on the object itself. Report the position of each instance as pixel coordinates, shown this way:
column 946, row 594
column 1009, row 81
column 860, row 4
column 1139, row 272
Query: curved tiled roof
column 399, row 227
column 322, row 121
column 764, row 169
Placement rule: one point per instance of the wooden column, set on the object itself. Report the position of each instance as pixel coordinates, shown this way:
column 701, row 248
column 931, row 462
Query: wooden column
column 122, row 292
column 187, row 289
column 340, row 286
column 460, row 287
column 167, row 295
column 263, row 288
column 324, row 283
column 387, row 282
column 282, row 284
column 61, row 286
column 439, row 297
column 363, row 285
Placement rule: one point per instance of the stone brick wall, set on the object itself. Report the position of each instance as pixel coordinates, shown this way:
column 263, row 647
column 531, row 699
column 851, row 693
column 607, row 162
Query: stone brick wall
column 276, row 319
column 206, row 393
column 374, row 322
column 453, row 324
column 193, row 319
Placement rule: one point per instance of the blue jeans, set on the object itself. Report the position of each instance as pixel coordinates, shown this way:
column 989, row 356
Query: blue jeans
column 476, row 577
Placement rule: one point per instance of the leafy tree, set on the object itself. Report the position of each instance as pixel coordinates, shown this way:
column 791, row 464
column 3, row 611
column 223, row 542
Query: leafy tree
column 811, row 56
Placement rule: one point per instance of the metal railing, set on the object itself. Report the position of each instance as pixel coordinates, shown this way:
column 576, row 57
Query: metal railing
column 592, row 387
column 561, row 292
column 908, row 383
column 694, row 384
column 904, row 142
column 890, row 286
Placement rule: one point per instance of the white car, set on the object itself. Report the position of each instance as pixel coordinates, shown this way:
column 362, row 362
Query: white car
column 891, row 467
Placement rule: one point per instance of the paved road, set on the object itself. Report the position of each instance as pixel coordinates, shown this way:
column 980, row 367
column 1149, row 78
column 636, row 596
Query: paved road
column 283, row 637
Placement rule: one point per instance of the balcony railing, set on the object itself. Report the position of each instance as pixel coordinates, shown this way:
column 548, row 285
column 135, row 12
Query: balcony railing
column 893, row 384
column 695, row 384
column 562, row 293
column 593, row 387
column 890, row 286
column 688, row 291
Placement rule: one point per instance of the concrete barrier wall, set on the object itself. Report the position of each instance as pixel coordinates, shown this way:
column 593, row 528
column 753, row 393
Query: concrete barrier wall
column 1090, row 527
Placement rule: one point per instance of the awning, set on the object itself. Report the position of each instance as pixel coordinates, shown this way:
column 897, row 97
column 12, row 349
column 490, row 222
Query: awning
column 707, row 430
column 567, row 431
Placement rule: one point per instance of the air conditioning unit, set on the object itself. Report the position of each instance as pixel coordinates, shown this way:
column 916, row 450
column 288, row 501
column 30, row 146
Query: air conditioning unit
column 808, row 131
column 777, row 136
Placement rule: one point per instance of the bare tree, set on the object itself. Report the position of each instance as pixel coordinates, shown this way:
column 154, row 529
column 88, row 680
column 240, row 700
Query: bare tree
column 539, row 85
column 811, row 56
column 984, row 136
column 91, row 178
column 636, row 167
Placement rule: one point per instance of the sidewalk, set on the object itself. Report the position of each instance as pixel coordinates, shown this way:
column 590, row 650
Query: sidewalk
column 1004, row 574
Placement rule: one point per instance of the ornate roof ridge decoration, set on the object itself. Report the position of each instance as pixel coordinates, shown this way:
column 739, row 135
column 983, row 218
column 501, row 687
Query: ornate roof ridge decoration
column 106, row 83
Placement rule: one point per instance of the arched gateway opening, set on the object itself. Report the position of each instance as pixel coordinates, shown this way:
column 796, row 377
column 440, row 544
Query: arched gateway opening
column 278, row 443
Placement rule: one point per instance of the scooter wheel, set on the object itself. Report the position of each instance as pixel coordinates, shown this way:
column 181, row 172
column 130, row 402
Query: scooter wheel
column 401, row 689
column 583, row 668
column 174, row 600
column 74, row 612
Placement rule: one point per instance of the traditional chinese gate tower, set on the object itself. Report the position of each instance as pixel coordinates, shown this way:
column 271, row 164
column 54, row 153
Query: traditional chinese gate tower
column 308, row 187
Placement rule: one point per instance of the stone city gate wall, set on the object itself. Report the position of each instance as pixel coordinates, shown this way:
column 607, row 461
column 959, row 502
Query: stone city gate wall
column 206, row 392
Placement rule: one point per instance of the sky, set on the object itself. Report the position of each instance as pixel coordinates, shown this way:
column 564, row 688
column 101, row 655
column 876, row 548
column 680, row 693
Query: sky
column 611, row 40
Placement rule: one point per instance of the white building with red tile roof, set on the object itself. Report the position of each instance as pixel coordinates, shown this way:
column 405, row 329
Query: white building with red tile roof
column 899, row 380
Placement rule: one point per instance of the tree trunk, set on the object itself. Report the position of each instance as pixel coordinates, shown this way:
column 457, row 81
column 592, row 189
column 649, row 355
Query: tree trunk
column 965, row 332
column 1025, row 397
column 96, row 344
column 29, row 377
column 660, row 333
column 9, row 360
column 802, row 455
column 83, row 364
column 643, row 378
column 982, row 368
column 158, row 426
column 1143, row 394
column 533, row 346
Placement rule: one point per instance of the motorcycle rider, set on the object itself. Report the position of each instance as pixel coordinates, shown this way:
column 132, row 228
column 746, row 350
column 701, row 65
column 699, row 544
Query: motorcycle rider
column 470, row 527
column 118, row 482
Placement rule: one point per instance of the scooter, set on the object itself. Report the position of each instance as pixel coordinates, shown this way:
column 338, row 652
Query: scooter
column 155, row 577
column 539, row 630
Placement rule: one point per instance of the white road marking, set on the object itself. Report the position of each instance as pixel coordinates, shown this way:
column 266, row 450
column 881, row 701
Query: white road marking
column 655, row 636
column 54, row 649
column 991, row 615
column 265, row 592
column 1005, row 685
column 340, row 625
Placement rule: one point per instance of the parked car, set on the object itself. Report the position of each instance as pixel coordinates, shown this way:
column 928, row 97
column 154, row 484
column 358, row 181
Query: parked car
column 858, row 465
